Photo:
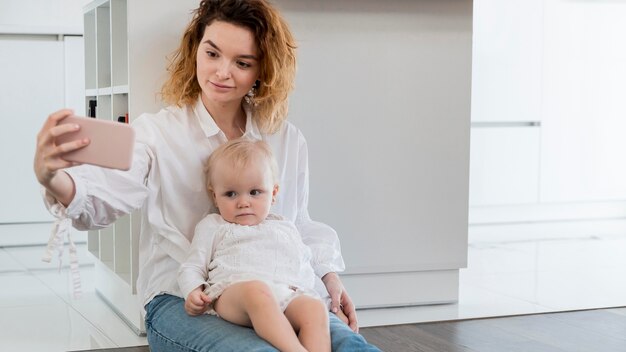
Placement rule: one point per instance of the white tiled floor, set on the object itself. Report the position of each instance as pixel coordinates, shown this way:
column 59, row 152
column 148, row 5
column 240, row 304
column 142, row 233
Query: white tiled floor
column 39, row 313
column 519, row 276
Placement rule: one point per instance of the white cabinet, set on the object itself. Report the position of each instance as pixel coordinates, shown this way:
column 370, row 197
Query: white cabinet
column 555, row 64
column 31, row 88
column 507, row 59
column 383, row 98
column 506, row 102
column 39, row 74
column 583, row 138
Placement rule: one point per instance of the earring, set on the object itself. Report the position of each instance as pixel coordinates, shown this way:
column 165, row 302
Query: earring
column 249, row 97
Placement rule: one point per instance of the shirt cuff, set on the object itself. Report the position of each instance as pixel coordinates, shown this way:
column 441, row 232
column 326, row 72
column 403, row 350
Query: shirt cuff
column 190, row 286
column 77, row 205
column 323, row 269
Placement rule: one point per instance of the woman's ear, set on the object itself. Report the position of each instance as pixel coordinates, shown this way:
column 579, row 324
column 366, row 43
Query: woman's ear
column 274, row 193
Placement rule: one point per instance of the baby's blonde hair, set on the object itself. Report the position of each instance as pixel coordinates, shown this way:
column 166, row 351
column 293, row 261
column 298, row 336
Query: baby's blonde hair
column 239, row 152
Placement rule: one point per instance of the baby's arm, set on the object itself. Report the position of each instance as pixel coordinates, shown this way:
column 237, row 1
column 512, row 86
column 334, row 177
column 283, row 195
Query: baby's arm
column 193, row 273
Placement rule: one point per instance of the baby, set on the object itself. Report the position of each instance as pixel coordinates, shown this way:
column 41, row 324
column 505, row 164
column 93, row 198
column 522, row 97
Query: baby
column 247, row 265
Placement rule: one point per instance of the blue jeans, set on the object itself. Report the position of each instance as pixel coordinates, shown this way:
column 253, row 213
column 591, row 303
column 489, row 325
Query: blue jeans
column 171, row 329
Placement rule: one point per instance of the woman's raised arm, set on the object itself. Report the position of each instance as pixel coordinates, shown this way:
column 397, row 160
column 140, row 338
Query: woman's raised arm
column 48, row 157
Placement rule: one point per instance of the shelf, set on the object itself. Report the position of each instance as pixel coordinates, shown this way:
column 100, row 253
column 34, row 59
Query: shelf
column 91, row 92
column 104, row 91
column 123, row 89
column 94, row 92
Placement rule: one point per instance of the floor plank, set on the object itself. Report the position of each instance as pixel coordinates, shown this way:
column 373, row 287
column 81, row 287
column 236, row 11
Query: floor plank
column 591, row 330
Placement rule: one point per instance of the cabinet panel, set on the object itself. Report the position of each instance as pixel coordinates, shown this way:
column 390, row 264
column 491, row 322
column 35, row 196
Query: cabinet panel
column 32, row 87
column 507, row 59
column 386, row 115
column 583, row 144
column 504, row 165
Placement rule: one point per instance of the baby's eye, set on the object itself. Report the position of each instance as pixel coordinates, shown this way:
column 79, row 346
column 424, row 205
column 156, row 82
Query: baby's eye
column 230, row 194
column 255, row 192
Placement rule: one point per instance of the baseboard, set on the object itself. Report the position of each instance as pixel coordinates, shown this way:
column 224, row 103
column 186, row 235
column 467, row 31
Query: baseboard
column 402, row 289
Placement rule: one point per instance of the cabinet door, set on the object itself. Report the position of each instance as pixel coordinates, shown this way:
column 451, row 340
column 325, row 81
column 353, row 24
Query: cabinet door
column 584, row 127
column 32, row 87
column 506, row 60
column 387, row 121
column 504, row 165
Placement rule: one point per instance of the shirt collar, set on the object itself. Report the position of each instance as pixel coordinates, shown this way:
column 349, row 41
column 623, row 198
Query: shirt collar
column 210, row 128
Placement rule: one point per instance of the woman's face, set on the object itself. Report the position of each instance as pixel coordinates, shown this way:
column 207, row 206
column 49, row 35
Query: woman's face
column 227, row 63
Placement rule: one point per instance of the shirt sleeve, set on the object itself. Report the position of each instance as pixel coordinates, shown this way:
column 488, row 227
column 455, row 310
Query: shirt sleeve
column 103, row 195
column 194, row 271
column 321, row 238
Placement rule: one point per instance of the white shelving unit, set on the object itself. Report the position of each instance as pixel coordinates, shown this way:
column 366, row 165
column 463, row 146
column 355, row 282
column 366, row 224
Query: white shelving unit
column 106, row 83
column 126, row 46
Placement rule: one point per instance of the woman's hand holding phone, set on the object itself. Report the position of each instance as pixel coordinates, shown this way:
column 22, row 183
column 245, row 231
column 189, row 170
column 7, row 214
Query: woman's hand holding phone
column 48, row 156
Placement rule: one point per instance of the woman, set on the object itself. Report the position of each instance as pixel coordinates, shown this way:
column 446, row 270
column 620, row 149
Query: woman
column 230, row 77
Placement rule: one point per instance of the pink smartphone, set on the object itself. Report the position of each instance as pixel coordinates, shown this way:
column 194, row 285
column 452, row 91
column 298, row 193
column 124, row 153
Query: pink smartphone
column 111, row 143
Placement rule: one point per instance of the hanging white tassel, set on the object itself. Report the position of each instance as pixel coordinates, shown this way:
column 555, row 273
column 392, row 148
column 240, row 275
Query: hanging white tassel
column 60, row 228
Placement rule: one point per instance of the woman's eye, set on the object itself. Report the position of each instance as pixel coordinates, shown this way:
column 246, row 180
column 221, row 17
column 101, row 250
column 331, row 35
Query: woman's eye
column 211, row 53
column 243, row 64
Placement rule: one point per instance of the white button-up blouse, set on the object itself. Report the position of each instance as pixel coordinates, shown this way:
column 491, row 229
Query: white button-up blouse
column 166, row 181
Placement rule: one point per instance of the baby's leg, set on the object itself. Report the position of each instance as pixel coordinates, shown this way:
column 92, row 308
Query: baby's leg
column 309, row 316
column 252, row 303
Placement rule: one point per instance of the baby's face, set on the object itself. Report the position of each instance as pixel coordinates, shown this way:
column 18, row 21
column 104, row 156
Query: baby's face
column 244, row 195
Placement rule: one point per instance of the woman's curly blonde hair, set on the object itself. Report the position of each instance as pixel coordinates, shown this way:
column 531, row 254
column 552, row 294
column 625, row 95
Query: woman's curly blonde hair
column 277, row 57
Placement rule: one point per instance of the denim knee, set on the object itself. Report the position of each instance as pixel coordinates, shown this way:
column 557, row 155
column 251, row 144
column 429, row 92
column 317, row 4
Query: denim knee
column 345, row 340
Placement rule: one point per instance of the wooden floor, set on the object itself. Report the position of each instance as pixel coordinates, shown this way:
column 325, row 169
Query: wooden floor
column 602, row 330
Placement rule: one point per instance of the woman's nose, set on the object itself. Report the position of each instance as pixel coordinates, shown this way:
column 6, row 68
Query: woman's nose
column 223, row 70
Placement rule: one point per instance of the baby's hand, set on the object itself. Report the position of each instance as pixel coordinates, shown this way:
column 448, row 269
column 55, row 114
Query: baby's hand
column 197, row 302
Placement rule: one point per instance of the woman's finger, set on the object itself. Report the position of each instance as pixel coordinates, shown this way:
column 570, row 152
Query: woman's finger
column 54, row 118
column 61, row 149
column 350, row 310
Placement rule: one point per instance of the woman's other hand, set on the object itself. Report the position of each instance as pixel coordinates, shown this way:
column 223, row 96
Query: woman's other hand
column 48, row 156
column 341, row 304
column 197, row 302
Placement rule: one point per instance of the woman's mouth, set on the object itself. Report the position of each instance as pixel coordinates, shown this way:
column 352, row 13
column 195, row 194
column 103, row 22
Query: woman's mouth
column 221, row 86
